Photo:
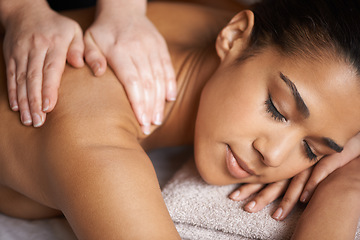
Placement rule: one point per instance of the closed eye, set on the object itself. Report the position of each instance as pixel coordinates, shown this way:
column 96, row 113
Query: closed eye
column 309, row 153
column 275, row 114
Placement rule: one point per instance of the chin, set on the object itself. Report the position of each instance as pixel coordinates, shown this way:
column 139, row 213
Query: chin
column 213, row 175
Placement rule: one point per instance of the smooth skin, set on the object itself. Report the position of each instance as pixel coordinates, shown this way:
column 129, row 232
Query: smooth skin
column 36, row 51
column 88, row 160
column 39, row 41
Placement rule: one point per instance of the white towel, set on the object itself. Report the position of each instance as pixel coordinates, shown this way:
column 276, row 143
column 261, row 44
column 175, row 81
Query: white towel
column 204, row 212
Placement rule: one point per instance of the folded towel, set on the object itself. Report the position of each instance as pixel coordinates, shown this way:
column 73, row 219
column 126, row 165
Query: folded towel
column 204, row 212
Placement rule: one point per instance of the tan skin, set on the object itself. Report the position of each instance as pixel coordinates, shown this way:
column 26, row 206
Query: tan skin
column 88, row 160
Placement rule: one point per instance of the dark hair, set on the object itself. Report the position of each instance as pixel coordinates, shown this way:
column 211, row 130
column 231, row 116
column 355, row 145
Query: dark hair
column 308, row 27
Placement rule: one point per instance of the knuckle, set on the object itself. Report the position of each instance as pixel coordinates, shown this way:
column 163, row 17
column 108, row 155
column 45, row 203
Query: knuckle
column 23, row 102
column 50, row 66
column 33, row 75
column 39, row 41
column 287, row 201
column 34, row 100
column 21, row 78
column 131, row 81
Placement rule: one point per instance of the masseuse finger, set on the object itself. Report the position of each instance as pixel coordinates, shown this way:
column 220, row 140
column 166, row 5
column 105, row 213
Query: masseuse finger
column 143, row 65
column 159, row 89
column 21, row 68
column 266, row 196
column 34, row 80
column 245, row 190
column 76, row 48
column 127, row 74
column 93, row 55
column 292, row 194
column 53, row 69
column 169, row 74
column 11, row 84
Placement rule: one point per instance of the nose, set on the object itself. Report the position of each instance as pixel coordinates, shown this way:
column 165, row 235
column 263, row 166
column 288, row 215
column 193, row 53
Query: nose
column 276, row 147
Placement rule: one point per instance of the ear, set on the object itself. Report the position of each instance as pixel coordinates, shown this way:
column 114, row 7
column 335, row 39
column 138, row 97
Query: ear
column 238, row 30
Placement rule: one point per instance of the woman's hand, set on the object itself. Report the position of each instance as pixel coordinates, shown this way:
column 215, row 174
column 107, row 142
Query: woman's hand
column 37, row 43
column 267, row 193
column 301, row 187
column 138, row 55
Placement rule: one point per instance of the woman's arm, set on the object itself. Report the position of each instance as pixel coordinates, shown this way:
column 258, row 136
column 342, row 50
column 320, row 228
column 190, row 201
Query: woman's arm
column 334, row 210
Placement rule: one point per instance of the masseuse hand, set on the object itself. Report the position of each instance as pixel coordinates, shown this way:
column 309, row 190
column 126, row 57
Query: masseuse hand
column 37, row 43
column 138, row 55
column 301, row 187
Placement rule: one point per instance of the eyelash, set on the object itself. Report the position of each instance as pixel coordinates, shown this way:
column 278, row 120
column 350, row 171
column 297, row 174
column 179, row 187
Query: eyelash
column 273, row 111
column 275, row 114
column 310, row 154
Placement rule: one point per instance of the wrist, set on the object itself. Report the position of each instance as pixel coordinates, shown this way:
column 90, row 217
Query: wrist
column 9, row 9
column 134, row 7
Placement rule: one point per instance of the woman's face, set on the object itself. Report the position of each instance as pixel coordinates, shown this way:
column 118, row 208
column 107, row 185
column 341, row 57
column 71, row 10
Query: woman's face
column 270, row 117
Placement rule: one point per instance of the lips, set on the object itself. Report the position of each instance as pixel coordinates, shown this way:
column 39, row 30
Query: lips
column 236, row 167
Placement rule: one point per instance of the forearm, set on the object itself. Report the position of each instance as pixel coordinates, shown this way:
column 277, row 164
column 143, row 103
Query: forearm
column 333, row 211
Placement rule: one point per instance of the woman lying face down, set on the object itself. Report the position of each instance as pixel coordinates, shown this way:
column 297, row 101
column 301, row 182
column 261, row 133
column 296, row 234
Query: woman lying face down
column 283, row 95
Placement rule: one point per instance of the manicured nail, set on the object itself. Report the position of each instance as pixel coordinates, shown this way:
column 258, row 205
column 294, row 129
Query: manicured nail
column 26, row 118
column 250, row 205
column 235, row 195
column 14, row 106
column 37, row 120
column 158, row 120
column 96, row 68
column 304, row 197
column 172, row 92
column 144, row 119
column 46, row 105
column 277, row 214
column 146, row 130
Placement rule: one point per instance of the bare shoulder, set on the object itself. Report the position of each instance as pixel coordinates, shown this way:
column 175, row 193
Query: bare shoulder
column 187, row 25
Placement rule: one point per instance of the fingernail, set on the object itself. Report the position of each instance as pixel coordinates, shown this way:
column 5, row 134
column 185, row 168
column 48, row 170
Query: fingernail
column 96, row 68
column 304, row 197
column 235, row 195
column 26, row 118
column 172, row 92
column 277, row 214
column 14, row 106
column 37, row 120
column 250, row 205
column 146, row 130
column 158, row 120
column 46, row 104
column 144, row 119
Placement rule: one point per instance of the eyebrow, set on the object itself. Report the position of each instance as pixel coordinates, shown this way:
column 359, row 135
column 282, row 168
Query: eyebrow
column 333, row 145
column 303, row 109
column 300, row 104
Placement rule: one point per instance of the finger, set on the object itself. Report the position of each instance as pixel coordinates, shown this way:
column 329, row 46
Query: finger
column 159, row 91
column 170, row 79
column 76, row 50
column 54, row 65
column 143, row 65
column 329, row 164
column 127, row 73
column 245, row 190
column 11, row 84
column 292, row 194
column 93, row 55
column 34, row 78
column 266, row 196
column 22, row 100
